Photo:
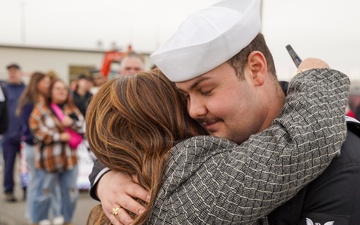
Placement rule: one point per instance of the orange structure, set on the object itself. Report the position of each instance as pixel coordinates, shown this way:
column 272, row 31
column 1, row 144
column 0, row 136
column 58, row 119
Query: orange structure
column 110, row 57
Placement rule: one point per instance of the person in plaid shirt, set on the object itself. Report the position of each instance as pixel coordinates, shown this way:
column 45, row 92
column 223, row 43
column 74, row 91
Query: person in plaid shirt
column 55, row 160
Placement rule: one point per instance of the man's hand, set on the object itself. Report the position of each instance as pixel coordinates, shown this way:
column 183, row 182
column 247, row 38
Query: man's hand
column 118, row 190
column 312, row 63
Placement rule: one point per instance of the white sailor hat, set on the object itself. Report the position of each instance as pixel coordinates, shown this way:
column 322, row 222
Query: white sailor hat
column 208, row 38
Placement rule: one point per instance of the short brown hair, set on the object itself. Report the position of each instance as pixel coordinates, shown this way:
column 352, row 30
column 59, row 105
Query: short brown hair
column 239, row 61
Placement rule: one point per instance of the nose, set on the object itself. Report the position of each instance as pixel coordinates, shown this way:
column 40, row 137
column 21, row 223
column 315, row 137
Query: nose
column 196, row 108
column 133, row 71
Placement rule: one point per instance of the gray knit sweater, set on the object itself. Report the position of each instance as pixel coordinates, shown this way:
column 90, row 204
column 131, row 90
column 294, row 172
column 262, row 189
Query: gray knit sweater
column 210, row 180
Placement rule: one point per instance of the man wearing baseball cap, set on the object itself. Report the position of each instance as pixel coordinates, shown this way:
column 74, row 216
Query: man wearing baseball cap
column 220, row 61
column 11, row 139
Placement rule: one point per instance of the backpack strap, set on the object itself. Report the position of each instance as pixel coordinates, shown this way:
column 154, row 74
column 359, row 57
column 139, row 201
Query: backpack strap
column 58, row 112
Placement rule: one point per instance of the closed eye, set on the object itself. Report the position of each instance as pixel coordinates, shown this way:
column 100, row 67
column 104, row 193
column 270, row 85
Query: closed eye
column 206, row 92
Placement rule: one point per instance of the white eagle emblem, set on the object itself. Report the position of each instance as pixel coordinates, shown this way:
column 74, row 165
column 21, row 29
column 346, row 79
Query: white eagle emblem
column 310, row 222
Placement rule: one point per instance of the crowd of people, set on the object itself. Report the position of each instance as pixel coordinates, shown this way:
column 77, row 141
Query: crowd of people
column 198, row 139
column 24, row 103
column 40, row 136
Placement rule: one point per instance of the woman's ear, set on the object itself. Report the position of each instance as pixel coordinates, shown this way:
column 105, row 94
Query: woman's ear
column 257, row 65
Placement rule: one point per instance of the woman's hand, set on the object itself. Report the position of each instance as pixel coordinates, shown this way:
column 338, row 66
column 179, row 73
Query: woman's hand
column 118, row 190
column 65, row 137
column 67, row 121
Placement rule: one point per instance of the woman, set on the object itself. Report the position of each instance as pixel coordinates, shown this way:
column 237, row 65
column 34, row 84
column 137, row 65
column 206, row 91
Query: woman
column 55, row 160
column 36, row 91
column 139, row 124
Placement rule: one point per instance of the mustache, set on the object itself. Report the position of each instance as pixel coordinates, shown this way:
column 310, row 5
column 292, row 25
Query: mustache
column 205, row 121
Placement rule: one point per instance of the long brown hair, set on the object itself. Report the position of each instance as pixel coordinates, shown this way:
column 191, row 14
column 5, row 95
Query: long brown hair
column 134, row 122
column 31, row 92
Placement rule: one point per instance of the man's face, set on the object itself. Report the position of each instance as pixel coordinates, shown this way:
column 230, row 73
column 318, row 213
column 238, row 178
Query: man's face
column 131, row 66
column 14, row 75
column 84, row 84
column 225, row 105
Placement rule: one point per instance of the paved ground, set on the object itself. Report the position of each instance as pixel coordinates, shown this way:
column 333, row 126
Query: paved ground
column 13, row 213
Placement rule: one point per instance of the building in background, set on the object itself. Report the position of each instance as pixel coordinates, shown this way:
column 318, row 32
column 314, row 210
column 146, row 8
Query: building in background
column 66, row 63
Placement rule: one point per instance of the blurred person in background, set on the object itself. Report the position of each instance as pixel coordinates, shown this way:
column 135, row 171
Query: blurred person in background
column 52, row 74
column 98, row 81
column 55, row 160
column 82, row 95
column 36, row 91
column 4, row 120
column 132, row 63
column 11, row 139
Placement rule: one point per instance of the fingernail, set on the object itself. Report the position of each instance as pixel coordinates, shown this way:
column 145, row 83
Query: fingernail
column 148, row 198
column 141, row 211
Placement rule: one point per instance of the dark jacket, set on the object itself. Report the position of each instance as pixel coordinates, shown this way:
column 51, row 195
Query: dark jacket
column 357, row 113
column 4, row 117
column 333, row 196
column 13, row 93
column 81, row 102
column 26, row 134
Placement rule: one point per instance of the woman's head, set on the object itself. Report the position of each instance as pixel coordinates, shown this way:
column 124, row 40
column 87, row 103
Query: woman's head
column 37, row 88
column 59, row 92
column 134, row 122
column 137, row 115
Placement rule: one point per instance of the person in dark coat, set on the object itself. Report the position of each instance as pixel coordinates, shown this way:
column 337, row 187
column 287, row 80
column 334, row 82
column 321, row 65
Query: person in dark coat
column 12, row 137
column 82, row 95
column 4, row 121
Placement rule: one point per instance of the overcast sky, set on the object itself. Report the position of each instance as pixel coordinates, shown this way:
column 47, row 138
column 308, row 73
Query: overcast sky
column 328, row 29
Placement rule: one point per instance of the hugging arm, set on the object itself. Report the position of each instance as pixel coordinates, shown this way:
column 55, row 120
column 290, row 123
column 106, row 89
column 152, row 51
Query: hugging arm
column 120, row 188
column 211, row 180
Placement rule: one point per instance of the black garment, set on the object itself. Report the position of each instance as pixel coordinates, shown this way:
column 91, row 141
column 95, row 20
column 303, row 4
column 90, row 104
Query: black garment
column 96, row 170
column 333, row 196
column 357, row 113
column 82, row 101
column 4, row 116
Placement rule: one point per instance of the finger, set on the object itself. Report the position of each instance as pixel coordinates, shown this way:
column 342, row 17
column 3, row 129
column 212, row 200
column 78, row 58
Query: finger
column 124, row 217
column 109, row 214
column 137, row 191
column 114, row 220
column 130, row 204
column 120, row 218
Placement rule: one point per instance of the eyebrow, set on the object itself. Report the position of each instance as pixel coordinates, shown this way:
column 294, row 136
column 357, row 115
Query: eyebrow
column 194, row 85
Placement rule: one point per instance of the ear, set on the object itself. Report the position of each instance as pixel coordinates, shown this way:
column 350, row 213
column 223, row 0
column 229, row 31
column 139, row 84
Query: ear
column 257, row 65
